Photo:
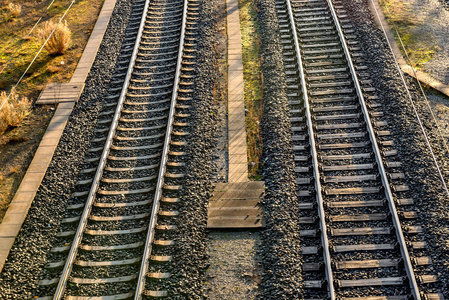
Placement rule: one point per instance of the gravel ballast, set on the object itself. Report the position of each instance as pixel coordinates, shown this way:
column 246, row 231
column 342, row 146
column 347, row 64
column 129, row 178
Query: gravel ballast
column 190, row 257
column 21, row 271
column 280, row 250
column 234, row 272
column 421, row 175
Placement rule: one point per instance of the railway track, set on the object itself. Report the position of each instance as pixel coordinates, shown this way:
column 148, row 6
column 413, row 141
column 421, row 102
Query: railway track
column 116, row 240
column 349, row 180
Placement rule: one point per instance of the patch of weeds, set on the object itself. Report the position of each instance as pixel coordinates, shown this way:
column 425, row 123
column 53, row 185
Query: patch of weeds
column 14, row 170
column 407, row 27
column 14, row 110
column 60, row 39
column 253, row 84
column 19, row 46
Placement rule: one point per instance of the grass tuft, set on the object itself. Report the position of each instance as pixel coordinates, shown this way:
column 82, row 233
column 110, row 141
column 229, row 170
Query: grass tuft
column 15, row 9
column 14, row 170
column 13, row 111
column 60, row 41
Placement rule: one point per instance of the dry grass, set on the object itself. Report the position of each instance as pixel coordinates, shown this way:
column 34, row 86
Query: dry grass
column 18, row 48
column 60, row 41
column 13, row 111
column 418, row 40
column 54, row 69
column 15, row 9
column 253, row 84
column 14, row 170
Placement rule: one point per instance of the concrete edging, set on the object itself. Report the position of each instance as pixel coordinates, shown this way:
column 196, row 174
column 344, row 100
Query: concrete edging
column 18, row 208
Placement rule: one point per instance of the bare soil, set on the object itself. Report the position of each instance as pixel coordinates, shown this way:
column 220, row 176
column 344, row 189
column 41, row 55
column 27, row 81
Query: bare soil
column 423, row 26
column 18, row 145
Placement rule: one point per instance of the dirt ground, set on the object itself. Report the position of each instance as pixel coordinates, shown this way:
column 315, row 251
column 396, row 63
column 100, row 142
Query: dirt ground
column 423, row 27
column 17, row 147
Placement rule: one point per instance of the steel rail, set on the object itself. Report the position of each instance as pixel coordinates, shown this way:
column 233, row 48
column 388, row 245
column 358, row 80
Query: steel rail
column 316, row 171
column 98, row 174
column 160, row 181
column 440, row 173
column 402, row 244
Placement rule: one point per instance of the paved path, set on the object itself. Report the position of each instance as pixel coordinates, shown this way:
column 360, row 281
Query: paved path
column 238, row 164
column 18, row 209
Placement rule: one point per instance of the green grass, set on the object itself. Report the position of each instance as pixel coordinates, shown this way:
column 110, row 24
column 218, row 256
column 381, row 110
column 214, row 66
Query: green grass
column 21, row 49
column 420, row 47
column 249, row 30
column 13, row 30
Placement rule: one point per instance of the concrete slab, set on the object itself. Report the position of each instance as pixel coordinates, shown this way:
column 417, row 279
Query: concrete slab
column 234, row 51
column 238, row 139
column 30, row 185
column 236, row 104
column 235, row 55
column 241, row 177
column 237, row 171
column 23, row 197
column 235, row 81
column 18, row 207
column 63, row 111
column 235, row 98
column 221, row 204
column 238, row 159
column 66, row 105
column 52, row 134
column 240, row 150
column 5, row 243
column 38, row 166
column 14, row 217
column 237, row 89
column 57, row 125
column 60, row 92
column 238, row 168
column 9, row 231
column 235, row 65
column 238, row 209
column 236, row 205
column 235, row 223
column 50, row 141
column 45, row 153
column 237, row 116
column 245, row 190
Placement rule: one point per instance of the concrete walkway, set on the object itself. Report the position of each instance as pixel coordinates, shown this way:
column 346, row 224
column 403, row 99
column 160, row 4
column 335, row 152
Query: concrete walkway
column 238, row 163
column 67, row 95
column 235, row 204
